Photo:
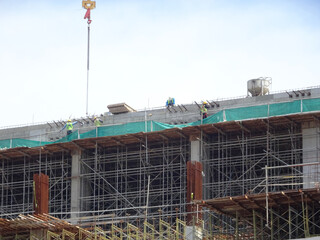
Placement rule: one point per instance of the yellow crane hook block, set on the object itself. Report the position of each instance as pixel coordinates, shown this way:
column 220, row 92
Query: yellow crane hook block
column 87, row 4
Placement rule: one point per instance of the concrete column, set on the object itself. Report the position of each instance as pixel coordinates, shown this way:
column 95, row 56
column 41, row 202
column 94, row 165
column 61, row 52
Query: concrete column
column 194, row 186
column 195, row 149
column 311, row 153
column 75, row 186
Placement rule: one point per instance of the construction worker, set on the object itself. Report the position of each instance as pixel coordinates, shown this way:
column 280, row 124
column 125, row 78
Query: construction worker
column 97, row 121
column 69, row 126
column 205, row 104
column 170, row 102
column 204, row 111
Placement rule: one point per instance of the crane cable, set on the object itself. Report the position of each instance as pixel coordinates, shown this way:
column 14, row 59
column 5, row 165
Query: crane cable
column 87, row 4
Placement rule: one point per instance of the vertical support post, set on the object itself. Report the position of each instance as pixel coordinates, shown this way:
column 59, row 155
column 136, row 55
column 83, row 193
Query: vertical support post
column 193, row 228
column 278, row 227
column 160, row 226
column 210, row 227
column 261, row 227
column 313, row 219
column 237, row 225
column 304, row 215
column 307, row 220
column 194, row 190
column 147, row 201
column 311, row 146
column 95, row 175
column 177, row 229
column 254, row 224
column 41, row 194
column 75, row 186
column 289, row 222
column 267, row 192
column 271, row 224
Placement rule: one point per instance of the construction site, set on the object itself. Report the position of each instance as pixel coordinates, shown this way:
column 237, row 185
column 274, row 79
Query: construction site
column 237, row 168
column 250, row 170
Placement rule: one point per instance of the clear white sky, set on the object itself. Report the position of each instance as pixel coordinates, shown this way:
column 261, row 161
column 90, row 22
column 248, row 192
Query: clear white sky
column 143, row 51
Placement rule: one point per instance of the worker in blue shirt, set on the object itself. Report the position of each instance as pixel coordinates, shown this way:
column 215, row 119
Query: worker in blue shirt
column 69, row 126
column 170, row 102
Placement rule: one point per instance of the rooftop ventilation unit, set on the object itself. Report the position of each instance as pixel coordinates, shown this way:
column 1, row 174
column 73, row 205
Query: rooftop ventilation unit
column 259, row 86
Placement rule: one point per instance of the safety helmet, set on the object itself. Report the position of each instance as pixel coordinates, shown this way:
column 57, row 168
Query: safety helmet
column 69, row 120
column 204, row 102
column 95, row 117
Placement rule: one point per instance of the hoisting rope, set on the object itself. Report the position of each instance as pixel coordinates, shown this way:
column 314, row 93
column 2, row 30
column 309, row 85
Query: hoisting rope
column 87, row 4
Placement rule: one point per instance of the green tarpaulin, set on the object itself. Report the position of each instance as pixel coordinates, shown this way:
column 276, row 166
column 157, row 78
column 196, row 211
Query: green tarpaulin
column 232, row 114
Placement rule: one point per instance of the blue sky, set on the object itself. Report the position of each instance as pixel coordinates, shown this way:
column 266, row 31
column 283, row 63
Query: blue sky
column 142, row 52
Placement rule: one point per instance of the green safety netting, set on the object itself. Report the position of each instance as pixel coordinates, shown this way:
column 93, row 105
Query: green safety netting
column 310, row 105
column 233, row 114
column 279, row 109
column 68, row 138
column 246, row 113
column 19, row 142
column 5, row 143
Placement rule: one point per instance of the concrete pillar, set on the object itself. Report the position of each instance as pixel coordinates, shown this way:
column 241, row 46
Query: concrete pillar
column 195, row 148
column 311, row 153
column 194, row 189
column 75, row 186
column 41, row 193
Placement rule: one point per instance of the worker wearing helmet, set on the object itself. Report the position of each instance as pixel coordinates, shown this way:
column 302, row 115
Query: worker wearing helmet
column 170, row 102
column 204, row 111
column 97, row 121
column 69, row 126
column 205, row 103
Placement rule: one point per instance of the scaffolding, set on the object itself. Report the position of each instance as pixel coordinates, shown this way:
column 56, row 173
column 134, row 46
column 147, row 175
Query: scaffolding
column 16, row 189
column 117, row 180
column 138, row 190
column 114, row 182
column 252, row 162
column 47, row 227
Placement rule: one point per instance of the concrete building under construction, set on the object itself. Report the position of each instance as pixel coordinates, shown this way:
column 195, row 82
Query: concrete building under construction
column 248, row 171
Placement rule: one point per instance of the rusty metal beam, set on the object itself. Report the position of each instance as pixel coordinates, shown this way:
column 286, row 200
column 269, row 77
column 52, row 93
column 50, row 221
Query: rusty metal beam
column 240, row 205
column 290, row 120
column 118, row 141
column 139, row 139
column 267, row 123
column 179, row 132
column 242, row 127
column 163, row 136
column 78, row 146
column 64, row 148
column 316, row 117
column 218, row 129
column 24, row 154
column 4, row 156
